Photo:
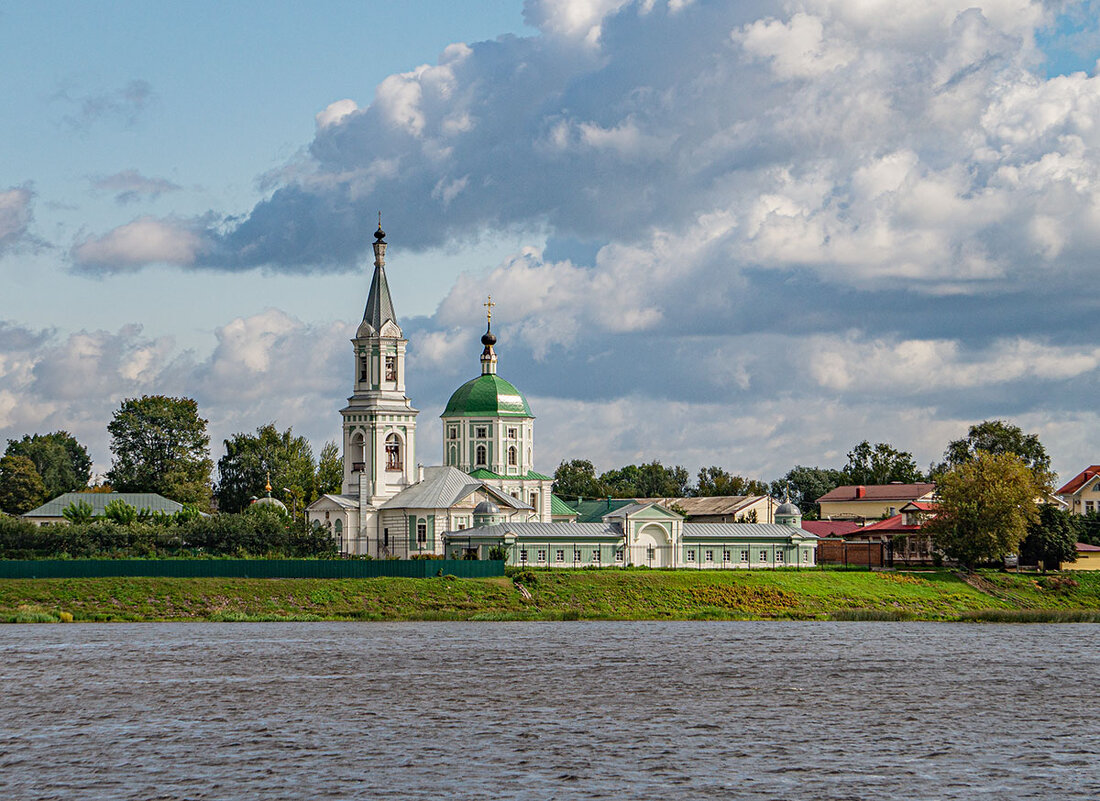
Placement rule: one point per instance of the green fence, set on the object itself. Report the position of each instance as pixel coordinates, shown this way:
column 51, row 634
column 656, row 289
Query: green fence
column 249, row 568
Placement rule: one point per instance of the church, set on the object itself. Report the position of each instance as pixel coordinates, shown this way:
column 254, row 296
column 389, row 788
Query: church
column 487, row 495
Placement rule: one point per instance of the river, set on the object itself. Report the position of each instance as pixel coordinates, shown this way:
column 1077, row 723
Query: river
column 623, row 710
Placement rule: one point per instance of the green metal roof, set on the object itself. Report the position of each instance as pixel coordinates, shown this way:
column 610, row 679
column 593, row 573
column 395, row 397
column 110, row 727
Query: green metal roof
column 99, row 500
column 487, row 396
column 593, row 511
column 560, row 508
column 530, row 475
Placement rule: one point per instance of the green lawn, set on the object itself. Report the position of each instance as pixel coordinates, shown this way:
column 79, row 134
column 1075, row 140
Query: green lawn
column 556, row 595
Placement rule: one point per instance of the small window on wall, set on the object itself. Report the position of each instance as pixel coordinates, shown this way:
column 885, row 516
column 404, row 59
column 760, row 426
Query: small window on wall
column 481, row 432
column 535, row 499
column 618, row 554
column 479, row 456
column 726, row 555
column 363, row 369
column 512, row 434
column 559, row 555
column 691, row 555
column 523, row 556
column 779, row 556
column 1089, row 506
column 421, row 532
column 708, row 556
column 391, row 368
column 542, row 555
column 452, row 432
column 576, row 555
column 513, row 459
column 763, row 556
column 744, row 556
column 596, row 555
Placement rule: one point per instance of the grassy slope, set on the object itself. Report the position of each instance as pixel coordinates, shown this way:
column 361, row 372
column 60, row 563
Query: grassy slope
column 559, row 594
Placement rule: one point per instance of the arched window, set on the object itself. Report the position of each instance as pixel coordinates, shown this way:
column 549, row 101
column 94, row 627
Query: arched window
column 512, row 456
column 338, row 529
column 452, row 460
column 479, row 456
column 393, row 452
column 358, row 459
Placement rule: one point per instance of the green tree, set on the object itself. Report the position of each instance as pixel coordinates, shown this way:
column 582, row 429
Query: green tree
column 649, row 480
column 995, row 436
column 21, row 488
column 807, row 484
column 714, row 481
column 1051, row 539
column 880, row 463
column 577, row 479
column 78, row 512
column 986, row 505
column 118, row 511
column 1087, row 528
column 330, row 470
column 250, row 459
column 61, row 461
column 160, row 445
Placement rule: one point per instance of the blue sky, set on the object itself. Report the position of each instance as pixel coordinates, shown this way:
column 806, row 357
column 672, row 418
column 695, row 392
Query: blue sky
column 741, row 234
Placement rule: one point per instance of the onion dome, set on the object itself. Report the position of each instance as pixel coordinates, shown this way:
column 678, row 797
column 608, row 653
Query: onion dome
column 267, row 500
column 486, row 508
column 487, row 395
column 787, row 508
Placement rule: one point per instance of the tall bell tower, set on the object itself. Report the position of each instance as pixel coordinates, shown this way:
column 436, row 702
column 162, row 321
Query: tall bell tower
column 379, row 420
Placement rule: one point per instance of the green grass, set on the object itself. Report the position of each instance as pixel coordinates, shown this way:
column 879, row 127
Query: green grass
column 564, row 595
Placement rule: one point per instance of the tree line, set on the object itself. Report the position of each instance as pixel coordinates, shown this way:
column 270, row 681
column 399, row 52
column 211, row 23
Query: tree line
column 160, row 444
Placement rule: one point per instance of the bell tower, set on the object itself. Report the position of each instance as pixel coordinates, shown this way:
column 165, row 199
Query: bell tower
column 379, row 421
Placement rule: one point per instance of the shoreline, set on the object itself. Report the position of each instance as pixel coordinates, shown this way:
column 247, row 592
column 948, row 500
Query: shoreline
column 933, row 596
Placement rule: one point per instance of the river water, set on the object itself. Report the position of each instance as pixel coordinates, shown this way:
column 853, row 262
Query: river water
column 617, row 710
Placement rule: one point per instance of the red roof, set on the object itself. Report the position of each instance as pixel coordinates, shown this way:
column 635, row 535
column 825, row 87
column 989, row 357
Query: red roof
column 878, row 492
column 921, row 506
column 1084, row 546
column 1079, row 480
column 830, row 528
column 891, row 524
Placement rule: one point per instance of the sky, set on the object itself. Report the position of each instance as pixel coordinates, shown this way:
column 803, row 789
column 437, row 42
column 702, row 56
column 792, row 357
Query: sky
column 743, row 234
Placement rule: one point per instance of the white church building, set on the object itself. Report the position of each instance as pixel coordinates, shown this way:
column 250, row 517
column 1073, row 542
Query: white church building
column 487, row 493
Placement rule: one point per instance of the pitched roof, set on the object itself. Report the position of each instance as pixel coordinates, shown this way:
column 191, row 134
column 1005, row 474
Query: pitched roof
column 379, row 304
column 709, row 505
column 1084, row 547
column 593, row 511
column 560, row 508
column 345, row 501
column 830, row 528
column 744, row 530
column 895, row 523
column 634, row 508
column 878, row 492
column 1080, row 480
column 580, row 531
column 442, row 488
column 530, row 475
column 98, row 500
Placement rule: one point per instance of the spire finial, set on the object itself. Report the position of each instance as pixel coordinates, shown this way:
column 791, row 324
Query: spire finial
column 489, row 311
column 267, row 486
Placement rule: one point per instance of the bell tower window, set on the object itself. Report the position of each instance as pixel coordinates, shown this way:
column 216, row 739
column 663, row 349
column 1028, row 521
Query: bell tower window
column 364, row 369
column 479, row 456
column 391, row 368
column 512, row 456
column 393, row 452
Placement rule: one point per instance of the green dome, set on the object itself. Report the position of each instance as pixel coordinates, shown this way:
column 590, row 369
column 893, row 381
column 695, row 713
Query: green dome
column 487, row 396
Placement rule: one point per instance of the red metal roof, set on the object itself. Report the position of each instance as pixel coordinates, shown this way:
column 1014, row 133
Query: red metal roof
column 891, row 524
column 878, row 492
column 1078, row 480
column 830, row 528
column 1084, row 546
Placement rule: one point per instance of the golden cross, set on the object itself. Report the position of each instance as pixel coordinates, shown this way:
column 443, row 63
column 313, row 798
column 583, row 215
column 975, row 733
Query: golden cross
column 489, row 306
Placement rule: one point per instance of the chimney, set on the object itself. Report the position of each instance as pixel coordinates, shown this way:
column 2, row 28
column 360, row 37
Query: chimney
column 419, row 472
column 861, row 491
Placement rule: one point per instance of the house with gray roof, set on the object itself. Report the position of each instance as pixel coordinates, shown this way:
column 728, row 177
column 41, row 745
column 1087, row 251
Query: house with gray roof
column 51, row 511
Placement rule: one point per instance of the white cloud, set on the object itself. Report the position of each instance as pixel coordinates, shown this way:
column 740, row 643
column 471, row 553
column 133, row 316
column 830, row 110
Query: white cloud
column 130, row 186
column 144, row 241
column 335, row 112
column 15, row 217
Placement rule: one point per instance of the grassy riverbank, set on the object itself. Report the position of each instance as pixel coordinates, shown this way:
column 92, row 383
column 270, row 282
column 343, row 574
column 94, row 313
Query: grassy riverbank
column 558, row 595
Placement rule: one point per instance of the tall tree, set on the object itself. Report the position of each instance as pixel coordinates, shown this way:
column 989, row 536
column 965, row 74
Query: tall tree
column 160, row 445
column 986, row 505
column 330, row 469
column 250, row 459
column 649, row 480
column 1051, row 538
column 61, row 461
column 996, row 436
column 715, row 480
column 807, row 484
column 577, row 479
column 880, row 463
column 21, row 488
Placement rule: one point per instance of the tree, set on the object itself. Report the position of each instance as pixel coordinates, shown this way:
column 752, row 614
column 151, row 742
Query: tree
column 577, row 479
column 330, row 470
column 79, row 512
column 21, row 488
column 714, row 480
column 118, row 511
column 61, row 461
column 881, row 463
column 807, row 484
column 1087, row 528
column 1051, row 539
column 650, row 480
column 996, row 436
column 986, row 505
column 250, row 460
column 160, row 445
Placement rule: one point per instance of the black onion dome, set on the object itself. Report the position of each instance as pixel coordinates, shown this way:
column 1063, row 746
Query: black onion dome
column 488, row 339
column 380, row 234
